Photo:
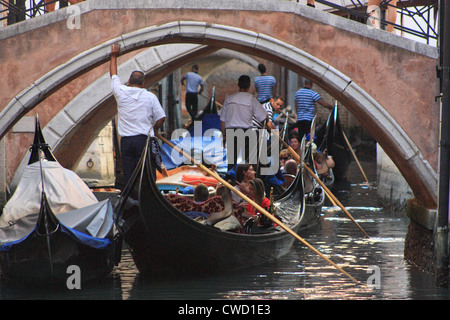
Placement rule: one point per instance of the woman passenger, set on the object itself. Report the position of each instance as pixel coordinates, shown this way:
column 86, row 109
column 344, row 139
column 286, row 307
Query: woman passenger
column 244, row 174
column 295, row 143
column 284, row 156
column 257, row 194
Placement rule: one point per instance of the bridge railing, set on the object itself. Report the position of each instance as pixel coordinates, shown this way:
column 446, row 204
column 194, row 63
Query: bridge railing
column 414, row 17
column 419, row 14
column 12, row 11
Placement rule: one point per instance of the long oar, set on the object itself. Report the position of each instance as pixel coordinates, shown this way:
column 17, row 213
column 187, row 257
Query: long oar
column 327, row 191
column 355, row 157
column 351, row 149
column 254, row 204
column 335, row 199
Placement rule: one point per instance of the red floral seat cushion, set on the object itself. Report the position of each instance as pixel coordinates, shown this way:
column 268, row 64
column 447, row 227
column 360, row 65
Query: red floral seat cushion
column 214, row 204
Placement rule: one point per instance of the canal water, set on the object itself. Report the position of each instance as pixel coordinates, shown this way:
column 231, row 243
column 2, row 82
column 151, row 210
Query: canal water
column 376, row 262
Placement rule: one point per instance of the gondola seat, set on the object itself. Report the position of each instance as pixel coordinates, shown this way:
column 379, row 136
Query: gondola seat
column 288, row 179
column 214, row 204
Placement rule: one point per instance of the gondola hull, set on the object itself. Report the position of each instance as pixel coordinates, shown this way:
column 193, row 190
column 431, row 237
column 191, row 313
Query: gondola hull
column 314, row 193
column 31, row 261
column 52, row 222
column 165, row 242
column 331, row 137
column 198, row 251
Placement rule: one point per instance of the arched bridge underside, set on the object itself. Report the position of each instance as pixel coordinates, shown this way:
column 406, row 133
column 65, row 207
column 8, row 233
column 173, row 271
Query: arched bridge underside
column 388, row 83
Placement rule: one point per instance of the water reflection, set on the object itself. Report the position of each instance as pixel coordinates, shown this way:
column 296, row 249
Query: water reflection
column 303, row 275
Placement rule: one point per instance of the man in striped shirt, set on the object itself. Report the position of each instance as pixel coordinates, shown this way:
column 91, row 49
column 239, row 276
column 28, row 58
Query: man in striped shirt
column 306, row 100
column 264, row 85
column 272, row 106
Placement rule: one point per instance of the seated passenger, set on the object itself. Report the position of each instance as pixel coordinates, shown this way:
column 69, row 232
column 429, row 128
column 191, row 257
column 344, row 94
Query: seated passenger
column 257, row 194
column 291, row 167
column 244, row 173
column 284, row 156
column 290, row 172
column 323, row 162
column 201, row 193
column 225, row 219
column 295, row 142
column 260, row 223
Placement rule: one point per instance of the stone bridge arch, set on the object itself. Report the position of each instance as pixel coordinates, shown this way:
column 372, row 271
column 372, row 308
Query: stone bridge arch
column 67, row 127
column 329, row 78
column 415, row 156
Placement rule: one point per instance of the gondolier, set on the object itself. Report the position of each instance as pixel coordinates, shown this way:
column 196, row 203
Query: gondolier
column 306, row 100
column 273, row 105
column 140, row 114
column 194, row 81
column 264, row 85
column 237, row 113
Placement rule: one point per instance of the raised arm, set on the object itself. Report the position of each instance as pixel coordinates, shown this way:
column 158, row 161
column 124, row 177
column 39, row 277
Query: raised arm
column 115, row 50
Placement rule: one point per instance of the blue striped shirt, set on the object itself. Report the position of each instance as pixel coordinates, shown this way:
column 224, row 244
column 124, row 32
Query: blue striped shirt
column 260, row 124
column 306, row 101
column 264, row 86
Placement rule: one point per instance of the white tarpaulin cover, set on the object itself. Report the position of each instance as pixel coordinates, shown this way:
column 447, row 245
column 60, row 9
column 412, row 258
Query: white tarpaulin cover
column 69, row 197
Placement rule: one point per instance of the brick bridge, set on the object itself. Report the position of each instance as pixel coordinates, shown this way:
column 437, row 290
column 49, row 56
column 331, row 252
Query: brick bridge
column 387, row 82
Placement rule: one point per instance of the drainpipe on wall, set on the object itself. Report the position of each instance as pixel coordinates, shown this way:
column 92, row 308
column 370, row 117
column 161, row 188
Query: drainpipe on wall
column 3, row 185
column 443, row 198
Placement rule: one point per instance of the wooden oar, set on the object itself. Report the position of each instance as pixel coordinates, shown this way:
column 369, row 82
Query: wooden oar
column 325, row 188
column 354, row 156
column 351, row 149
column 335, row 199
column 255, row 205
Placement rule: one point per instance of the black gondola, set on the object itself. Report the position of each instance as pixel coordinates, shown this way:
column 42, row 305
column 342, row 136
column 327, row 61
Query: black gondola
column 165, row 241
column 331, row 137
column 39, row 246
column 314, row 194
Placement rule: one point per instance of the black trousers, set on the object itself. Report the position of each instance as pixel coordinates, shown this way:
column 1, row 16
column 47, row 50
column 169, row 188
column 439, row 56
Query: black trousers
column 131, row 148
column 192, row 104
column 303, row 126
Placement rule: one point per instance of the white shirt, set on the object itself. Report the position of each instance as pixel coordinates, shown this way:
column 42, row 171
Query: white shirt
column 235, row 196
column 137, row 108
column 239, row 109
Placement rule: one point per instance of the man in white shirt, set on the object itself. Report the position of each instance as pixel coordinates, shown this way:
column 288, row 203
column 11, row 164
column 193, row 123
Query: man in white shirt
column 237, row 113
column 140, row 114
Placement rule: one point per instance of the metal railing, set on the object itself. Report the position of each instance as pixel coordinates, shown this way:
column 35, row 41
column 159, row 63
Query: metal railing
column 19, row 10
column 421, row 14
